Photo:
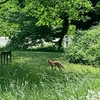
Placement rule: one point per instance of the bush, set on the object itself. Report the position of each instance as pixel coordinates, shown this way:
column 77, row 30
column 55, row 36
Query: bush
column 85, row 47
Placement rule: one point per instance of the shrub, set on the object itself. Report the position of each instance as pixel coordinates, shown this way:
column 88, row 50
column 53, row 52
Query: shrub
column 85, row 47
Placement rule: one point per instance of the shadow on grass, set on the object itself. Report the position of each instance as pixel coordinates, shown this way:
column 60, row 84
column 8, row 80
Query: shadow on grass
column 47, row 49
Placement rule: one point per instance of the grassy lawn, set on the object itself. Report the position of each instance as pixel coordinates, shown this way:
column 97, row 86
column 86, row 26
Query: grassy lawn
column 30, row 77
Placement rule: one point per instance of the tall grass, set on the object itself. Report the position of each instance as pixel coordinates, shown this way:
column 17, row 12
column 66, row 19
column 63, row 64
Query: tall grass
column 29, row 77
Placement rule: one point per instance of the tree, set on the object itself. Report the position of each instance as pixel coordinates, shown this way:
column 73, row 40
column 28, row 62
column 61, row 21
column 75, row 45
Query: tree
column 57, row 13
column 51, row 13
column 94, row 17
column 29, row 34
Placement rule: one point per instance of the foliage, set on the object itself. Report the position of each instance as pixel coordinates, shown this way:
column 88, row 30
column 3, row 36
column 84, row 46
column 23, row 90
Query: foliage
column 30, row 77
column 85, row 47
column 30, row 34
column 51, row 14
column 8, row 25
column 97, row 8
column 18, row 19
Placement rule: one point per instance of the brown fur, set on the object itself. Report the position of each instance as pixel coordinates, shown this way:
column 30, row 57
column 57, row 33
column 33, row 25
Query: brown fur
column 55, row 64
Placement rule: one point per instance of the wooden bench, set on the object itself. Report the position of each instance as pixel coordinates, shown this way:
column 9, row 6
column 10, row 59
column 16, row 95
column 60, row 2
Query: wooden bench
column 5, row 57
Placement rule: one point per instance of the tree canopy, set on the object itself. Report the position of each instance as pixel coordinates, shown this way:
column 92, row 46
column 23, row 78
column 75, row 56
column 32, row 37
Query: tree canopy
column 51, row 12
column 56, row 15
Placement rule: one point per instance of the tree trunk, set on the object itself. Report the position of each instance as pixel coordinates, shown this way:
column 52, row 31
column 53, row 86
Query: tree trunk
column 60, row 43
column 64, row 31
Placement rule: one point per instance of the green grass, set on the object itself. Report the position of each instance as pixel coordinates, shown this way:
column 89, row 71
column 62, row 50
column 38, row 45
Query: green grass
column 29, row 77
